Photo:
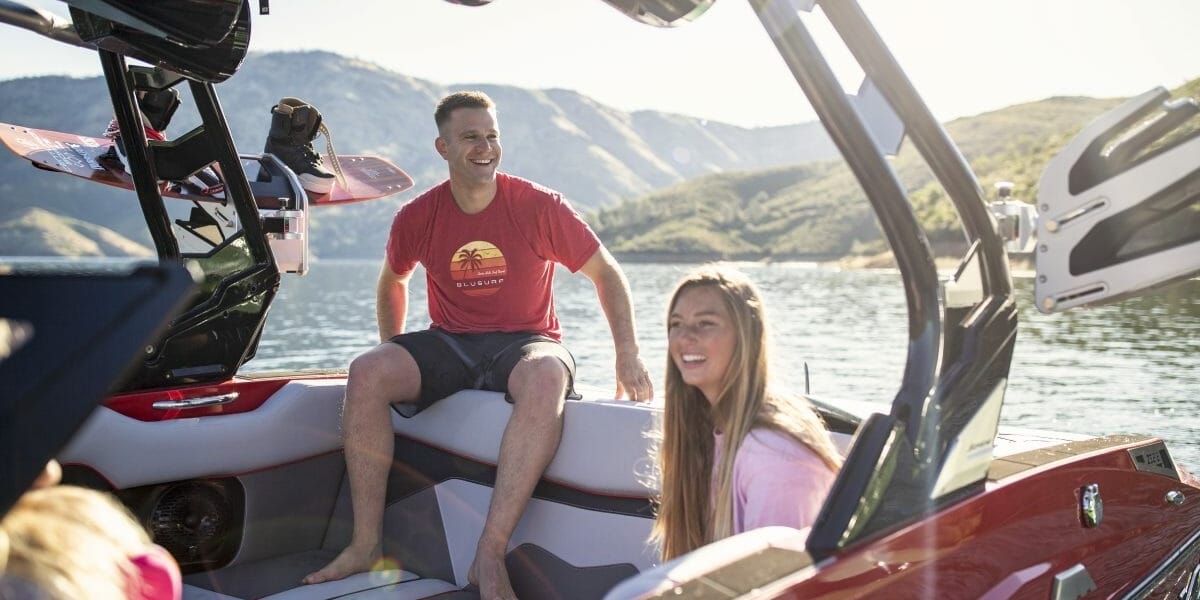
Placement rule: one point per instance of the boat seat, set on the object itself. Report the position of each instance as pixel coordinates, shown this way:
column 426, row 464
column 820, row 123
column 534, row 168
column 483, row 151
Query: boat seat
column 713, row 570
column 380, row 585
column 584, row 531
column 273, row 578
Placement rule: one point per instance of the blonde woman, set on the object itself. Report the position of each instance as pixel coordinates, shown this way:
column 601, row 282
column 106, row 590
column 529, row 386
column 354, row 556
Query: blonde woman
column 732, row 456
column 71, row 542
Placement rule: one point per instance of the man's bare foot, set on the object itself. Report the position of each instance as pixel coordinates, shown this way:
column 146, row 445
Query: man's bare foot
column 491, row 575
column 352, row 560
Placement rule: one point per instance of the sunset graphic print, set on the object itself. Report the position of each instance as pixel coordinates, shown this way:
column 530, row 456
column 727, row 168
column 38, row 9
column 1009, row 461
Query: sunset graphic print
column 478, row 268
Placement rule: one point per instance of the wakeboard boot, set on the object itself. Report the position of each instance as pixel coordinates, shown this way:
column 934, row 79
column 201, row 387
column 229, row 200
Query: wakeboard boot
column 294, row 125
column 157, row 108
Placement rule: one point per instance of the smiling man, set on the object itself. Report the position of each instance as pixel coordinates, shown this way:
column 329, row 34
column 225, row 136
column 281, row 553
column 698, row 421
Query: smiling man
column 489, row 243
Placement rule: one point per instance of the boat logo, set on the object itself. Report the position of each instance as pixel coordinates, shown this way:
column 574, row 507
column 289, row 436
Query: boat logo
column 478, row 268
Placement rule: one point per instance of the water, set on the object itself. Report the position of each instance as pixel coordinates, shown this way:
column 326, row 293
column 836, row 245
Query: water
column 1133, row 367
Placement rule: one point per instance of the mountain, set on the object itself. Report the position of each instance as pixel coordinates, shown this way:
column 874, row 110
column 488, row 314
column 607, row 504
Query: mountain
column 817, row 211
column 42, row 233
column 596, row 155
column 654, row 185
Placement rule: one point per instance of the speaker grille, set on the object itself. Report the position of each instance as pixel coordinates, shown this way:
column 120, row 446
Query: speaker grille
column 198, row 522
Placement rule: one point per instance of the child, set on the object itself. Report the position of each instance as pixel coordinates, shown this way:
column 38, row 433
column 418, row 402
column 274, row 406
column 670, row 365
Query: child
column 71, row 542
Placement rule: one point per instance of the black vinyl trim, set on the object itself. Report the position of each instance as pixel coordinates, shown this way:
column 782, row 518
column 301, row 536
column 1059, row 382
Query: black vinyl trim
column 417, row 466
column 537, row 573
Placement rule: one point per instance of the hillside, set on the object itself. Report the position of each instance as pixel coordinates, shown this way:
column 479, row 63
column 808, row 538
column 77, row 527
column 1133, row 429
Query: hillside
column 42, row 233
column 655, row 186
column 594, row 154
column 818, row 212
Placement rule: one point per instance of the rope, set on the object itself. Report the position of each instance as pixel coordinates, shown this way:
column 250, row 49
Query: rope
column 333, row 158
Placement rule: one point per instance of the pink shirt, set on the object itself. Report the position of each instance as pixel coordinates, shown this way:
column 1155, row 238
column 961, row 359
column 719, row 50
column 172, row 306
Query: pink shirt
column 776, row 481
column 493, row 270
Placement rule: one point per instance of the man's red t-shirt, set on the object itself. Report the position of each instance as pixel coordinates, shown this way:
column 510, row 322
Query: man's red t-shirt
column 493, row 270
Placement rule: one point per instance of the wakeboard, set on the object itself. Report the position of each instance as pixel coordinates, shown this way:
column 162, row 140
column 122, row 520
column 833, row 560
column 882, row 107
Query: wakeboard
column 363, row 176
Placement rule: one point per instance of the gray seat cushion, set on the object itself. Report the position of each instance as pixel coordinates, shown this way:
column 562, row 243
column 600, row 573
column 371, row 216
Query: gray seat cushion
column 392, row 585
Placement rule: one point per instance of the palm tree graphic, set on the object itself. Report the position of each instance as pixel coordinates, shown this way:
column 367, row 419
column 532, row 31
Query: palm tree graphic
column 469, row 259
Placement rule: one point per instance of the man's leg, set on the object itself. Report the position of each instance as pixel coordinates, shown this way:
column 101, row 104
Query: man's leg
column 537, row 385
column 378, row 377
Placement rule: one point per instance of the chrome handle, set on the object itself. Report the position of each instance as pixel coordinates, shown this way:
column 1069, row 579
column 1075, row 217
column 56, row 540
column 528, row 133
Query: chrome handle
column 1175, row 497
column 200, row 402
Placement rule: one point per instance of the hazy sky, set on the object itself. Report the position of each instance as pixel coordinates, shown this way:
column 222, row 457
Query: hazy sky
column 965, row 56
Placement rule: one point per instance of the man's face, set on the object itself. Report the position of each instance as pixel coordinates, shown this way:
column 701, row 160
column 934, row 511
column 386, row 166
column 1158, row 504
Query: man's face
column 470, row 143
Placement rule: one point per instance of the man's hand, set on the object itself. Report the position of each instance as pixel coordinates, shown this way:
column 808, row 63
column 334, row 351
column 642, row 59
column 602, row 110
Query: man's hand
column 632, row 379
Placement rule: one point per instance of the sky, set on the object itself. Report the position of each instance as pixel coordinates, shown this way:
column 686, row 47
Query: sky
column 964, row 56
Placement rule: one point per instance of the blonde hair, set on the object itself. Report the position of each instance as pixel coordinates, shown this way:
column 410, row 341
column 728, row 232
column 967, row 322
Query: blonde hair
column 71, row 542
column 684, row 446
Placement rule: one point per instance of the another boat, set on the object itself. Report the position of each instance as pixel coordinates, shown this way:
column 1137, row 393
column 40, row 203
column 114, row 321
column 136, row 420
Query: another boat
column 242, row 478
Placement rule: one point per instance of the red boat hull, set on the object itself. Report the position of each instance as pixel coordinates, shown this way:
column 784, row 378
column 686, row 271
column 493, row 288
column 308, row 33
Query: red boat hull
column 1012, row 540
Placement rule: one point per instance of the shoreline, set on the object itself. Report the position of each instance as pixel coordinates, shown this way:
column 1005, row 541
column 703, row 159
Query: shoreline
column 1020, row 266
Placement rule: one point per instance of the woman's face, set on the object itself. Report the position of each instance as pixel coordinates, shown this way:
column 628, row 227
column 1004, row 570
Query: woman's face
column 700, row 338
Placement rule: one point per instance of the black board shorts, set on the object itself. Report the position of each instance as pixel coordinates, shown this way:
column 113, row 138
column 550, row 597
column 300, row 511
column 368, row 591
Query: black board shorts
column 450, row 362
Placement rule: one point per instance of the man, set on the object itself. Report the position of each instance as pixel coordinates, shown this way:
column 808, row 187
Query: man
column 489, row 243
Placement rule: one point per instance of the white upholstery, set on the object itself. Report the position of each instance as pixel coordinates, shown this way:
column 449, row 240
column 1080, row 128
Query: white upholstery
column 578, row 536
column 301, row 420
column 663, row 578
column 605, row 449
column 604, row 446
column 842, row 442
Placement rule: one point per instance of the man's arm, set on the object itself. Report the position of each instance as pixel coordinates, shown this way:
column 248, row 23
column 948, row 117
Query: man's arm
column 391, row 301
column 613, row 291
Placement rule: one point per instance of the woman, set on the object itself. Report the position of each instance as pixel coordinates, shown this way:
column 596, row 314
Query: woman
column 732, row 456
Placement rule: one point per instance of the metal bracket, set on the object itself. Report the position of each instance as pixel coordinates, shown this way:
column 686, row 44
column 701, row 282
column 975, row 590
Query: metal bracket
column 884, row 125
column 1072, row 583
column 1091, row 505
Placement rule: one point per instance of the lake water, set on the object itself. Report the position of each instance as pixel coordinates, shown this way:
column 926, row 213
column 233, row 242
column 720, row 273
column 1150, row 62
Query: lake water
column 1132, row 367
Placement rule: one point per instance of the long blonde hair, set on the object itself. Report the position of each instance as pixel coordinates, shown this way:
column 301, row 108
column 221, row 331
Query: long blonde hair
column 683, row 447
column 71, row 542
